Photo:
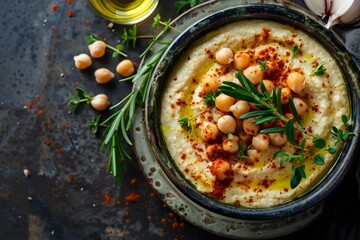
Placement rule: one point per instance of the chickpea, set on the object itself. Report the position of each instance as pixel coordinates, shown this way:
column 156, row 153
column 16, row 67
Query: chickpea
column 300, row 105
column 240, row 108
column 224, row 56
column 209, row 82
column 241, row 60
column 285, row 95
column 296, row 82
column 250, row 127
column 125, row 68
column 220, row 169
column 231, row 145
column 254, row 74
column 226, row 124
column 224, row 102
column 82, row 61
column 245, row 138
column 277, row 139
column 214, row 151
column 269, row 85
column 209, row 131
column 97, row 49
column 253, row 155
column 261, row 142
column 103, row 75
column 100, row 102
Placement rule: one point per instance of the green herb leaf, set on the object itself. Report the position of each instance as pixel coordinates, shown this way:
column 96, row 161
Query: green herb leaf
column 302, row 144
column 230, row 136
column 294, row 111
column 95, row 124
column 184, row 4
column 346, row 121
column 319, row 143
column 319, row 159
column 273, row 130
column 290, row 132
column 295, row 50
column 210, row 99
column 297, row 175
column 319, row 70
column 265, row 119
column 262, row 65
column 256, row 113
column 278, row 100
column 185, row 123
column 332, row 149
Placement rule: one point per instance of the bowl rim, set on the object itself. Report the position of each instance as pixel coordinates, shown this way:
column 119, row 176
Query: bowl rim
column 263, row 11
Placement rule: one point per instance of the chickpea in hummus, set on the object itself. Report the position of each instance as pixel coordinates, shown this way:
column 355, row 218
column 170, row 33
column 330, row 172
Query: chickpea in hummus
column 233, row 148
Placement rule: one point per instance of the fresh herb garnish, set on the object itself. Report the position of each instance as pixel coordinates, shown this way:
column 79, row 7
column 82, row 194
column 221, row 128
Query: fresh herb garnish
column 95, row 124
column 210, row 99
column 270, row 109
column 130, row 36
column 166, row 24
column 295, row 50
column 262, row 65
column 184, row 4
column 242, row 150
column 117, row 50
column 185, row 123
column 81, row 96
column 319, row 70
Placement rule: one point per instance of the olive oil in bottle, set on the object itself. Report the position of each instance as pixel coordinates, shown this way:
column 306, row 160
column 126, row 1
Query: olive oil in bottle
column 124, row 11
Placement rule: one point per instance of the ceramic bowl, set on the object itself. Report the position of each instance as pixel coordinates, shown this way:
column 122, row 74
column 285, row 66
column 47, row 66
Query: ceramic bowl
column 290, row 16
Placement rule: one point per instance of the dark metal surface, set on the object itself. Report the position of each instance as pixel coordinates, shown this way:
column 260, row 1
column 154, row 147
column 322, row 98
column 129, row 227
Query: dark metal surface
column 68, row 194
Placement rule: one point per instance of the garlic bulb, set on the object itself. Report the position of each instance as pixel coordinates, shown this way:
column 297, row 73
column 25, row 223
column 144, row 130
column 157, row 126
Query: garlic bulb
column 343, row 12
column 319, row 7
column 338, row 11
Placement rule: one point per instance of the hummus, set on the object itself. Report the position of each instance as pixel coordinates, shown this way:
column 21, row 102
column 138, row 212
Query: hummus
column 224, row 163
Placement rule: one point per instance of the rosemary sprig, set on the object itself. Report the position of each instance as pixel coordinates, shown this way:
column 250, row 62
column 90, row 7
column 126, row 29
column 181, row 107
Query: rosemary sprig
column 119, row 123
column 117, row 50
column 270, row 109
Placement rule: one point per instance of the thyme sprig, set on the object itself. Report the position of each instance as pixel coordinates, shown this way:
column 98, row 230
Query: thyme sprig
column 130, row 36
column 95, row 124
column 117, row 50
column 166, row 24
column 81, row 96
column 185, row 122
column 210, row 98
